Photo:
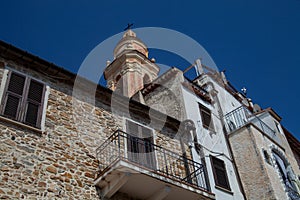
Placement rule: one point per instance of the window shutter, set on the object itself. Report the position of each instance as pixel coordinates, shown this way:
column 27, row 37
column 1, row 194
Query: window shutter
column 220, row 174
column 23, row 99
column 132, row 128
column 14, row 95
column 35, row 92
column 32, row 114
column 146, row 132
column 222, row 181
column 34, row 99
column 11, row 106
column 16, row 84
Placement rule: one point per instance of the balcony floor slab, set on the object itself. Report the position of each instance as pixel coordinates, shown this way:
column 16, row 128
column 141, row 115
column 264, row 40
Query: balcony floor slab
column 142, row 183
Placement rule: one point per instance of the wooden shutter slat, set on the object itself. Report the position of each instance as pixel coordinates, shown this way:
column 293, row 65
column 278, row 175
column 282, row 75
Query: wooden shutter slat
column 11, row 106
column 23, row 99
column 35, row 92
column 32, row 114
column 16, row 84
column 220, row 173
column 132, row 128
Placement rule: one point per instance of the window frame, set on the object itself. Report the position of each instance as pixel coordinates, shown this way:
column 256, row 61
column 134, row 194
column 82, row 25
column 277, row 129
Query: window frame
column 24, row 100
column 213, row 166
column 139, row 135
column 207, row 111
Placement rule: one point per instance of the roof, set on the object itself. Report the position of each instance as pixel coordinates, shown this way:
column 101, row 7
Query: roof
column 294, row 143
column 200, row 92
column 30, row 61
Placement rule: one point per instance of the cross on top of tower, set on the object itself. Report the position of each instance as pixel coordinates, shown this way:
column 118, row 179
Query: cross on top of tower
column 128, row 27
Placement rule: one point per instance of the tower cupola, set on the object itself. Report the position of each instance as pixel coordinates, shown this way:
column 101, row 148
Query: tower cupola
column 130, row 42
column 131, row 68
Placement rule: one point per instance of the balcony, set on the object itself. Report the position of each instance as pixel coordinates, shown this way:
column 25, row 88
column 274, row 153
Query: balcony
column 242, row 116
column 143, row 170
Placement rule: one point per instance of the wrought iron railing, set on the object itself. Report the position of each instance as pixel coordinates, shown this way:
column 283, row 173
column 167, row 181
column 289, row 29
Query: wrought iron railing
column 156, row 159
column 242, row 116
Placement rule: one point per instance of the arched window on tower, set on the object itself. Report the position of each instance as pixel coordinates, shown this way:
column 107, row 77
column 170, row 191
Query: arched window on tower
column 287, row 176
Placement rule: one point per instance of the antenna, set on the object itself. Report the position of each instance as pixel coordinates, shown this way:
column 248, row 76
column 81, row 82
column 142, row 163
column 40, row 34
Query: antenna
column 244, row 90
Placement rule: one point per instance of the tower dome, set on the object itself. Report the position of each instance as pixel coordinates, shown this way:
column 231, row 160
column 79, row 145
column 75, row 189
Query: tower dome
column 130, row 42
column 131, row 68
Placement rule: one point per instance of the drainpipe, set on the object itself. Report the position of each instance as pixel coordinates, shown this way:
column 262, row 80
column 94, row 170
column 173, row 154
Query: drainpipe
column 190, row 131
column 183, row 133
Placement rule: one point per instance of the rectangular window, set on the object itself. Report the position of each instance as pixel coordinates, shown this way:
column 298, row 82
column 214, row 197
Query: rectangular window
column 23, row 99
column 277, row 126
column 220, row 174
column 140, row 145
column 206, row 117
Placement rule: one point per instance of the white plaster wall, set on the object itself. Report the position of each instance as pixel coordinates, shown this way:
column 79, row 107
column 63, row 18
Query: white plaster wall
column 214, row 143
column 270, row 121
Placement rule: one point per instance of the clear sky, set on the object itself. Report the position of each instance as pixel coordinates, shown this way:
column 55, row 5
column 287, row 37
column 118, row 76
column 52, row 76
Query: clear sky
column 257, row 42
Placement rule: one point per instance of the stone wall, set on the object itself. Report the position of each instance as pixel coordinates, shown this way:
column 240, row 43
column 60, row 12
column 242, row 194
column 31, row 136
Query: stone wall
column 250, row 165
column 60, row 162
column 264, row 143
column 167, row 98
column 259, row 175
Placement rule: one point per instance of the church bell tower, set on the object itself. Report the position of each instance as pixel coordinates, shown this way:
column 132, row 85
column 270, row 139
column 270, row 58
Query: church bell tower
column 131, row 68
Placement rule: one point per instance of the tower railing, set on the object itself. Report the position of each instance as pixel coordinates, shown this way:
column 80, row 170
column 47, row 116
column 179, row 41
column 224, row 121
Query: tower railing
column 242, row 116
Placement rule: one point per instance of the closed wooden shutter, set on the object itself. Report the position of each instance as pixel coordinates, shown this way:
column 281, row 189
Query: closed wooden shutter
column 16, row 84
column 14, row 94
column 220, row 173
column 23, row 99
column 32, row 114
column 11, row 106
column 35, row 92
column 34, row 99
column 140, row 144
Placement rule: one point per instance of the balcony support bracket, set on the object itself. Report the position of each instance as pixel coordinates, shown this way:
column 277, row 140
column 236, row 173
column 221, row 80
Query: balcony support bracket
column 112, row 187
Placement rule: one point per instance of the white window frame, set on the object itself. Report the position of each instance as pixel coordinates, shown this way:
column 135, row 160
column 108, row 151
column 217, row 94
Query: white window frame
column 153, row 134
column 4, row 80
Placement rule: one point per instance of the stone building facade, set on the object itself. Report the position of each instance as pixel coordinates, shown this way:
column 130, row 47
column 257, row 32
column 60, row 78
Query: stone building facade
column 264, row 159
column 61, row 145
column 143, row 137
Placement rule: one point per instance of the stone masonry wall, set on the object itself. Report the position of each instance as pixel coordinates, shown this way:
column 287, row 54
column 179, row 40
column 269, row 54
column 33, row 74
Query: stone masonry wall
column 250, row 165
column 265, row 143
column 167, row 98
column 59, row 163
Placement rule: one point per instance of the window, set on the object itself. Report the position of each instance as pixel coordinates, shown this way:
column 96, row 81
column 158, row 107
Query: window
column 140, row 145
column 220, row 175
column 277, row 126
column 23, row 99
column 288, row 176
column 206, row 117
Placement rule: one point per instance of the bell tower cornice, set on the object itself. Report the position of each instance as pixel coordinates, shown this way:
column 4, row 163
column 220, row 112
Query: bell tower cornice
column 131, row 69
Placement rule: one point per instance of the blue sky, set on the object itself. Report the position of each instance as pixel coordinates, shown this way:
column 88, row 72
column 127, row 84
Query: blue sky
column 257, row 42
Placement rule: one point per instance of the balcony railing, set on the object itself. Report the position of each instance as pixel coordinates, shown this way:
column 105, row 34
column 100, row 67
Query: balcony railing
column 242, row 116
column 155, row 159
